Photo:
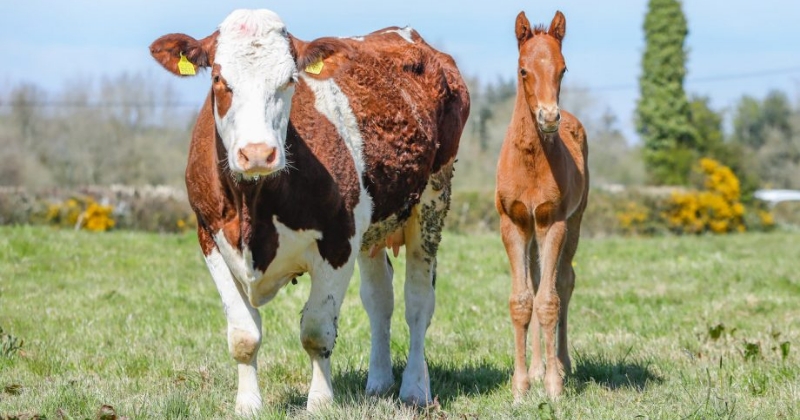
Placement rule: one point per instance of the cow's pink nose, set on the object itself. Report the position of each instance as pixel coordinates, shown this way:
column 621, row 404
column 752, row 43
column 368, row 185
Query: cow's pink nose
column 256, row 157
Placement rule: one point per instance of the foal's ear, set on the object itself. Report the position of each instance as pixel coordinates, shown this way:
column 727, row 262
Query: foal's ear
column 558, row 27
column 523, row 29
column 181, row 54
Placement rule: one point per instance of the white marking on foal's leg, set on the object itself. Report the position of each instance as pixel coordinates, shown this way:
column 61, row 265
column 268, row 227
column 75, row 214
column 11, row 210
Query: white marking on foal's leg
column 244, row 333
column 377, row 297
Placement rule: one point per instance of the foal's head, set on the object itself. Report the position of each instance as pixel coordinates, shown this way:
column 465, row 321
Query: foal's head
column 541, row 67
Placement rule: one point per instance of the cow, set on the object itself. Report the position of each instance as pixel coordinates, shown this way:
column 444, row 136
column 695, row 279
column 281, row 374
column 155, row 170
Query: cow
column 307, row 157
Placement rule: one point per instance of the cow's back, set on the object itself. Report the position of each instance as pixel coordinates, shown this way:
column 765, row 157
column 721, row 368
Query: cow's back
column 411, row 105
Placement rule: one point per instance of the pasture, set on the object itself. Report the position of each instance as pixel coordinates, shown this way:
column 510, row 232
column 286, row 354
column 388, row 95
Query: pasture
column 670, row 327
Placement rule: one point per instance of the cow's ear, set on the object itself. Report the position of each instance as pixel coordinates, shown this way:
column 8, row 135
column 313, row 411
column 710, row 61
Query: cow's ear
column 310, row 57
column 182, row 54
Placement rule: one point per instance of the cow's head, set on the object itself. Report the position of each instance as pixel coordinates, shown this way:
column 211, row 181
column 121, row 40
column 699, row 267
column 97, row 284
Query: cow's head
column 253, row 72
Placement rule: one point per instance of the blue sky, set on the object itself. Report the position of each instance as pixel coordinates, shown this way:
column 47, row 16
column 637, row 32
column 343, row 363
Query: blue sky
column 51, row 43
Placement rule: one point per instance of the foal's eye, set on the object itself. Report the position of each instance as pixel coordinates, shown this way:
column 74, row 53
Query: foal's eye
column 523, row 72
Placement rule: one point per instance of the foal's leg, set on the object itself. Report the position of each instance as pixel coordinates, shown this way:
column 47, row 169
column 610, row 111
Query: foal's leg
column 536, row 371
column 244, row 333
column 547, row 303
column 565, row 285
column 520, row 303
column 423, row 232
column 318, row 327
column 377, row 297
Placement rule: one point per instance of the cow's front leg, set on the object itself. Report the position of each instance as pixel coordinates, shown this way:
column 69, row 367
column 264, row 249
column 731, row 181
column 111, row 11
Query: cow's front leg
column 244, row 333
column 318, row 328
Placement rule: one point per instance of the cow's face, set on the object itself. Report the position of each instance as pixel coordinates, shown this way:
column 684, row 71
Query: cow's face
column 253, row 72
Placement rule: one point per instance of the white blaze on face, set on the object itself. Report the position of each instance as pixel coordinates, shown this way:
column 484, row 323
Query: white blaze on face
column 255, row 60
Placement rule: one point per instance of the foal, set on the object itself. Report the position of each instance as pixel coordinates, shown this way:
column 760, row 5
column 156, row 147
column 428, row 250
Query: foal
column 542, row 186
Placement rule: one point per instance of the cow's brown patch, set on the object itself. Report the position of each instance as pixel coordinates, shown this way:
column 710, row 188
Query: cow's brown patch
column 223, row 95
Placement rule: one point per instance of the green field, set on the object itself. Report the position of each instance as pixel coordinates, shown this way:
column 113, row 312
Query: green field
column 672, row 327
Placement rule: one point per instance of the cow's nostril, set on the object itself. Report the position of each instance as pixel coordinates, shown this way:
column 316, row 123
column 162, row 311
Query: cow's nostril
column 272, row 155
column 243, row 156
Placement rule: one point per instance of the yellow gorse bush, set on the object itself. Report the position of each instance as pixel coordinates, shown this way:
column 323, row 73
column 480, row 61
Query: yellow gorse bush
column 97, row 218
column 633, row 218
column 81, row 213
column 716, row 209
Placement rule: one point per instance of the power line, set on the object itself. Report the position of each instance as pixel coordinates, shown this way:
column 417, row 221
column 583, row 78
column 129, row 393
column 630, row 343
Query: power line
column 104, row 104
column 197, row 105
column 706, row 79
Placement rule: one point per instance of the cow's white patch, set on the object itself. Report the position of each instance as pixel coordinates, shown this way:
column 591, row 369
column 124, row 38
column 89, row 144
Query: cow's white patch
column 405, row 33
column 239, row 263
column 355, row 38
column 254, row 55
column 331, row 102
column 296, row 248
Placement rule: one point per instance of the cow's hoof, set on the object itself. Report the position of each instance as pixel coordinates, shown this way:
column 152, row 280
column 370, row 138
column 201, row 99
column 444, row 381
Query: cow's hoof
column 318, row 401
column 379, row 385
column 248, row 405
column 416, row 393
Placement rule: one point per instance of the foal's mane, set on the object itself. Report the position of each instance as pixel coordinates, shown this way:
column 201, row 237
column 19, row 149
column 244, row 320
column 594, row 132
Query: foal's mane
column 540, row 29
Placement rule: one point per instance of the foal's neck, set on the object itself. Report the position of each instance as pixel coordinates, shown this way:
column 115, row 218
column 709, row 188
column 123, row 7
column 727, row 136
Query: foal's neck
column 526, row 135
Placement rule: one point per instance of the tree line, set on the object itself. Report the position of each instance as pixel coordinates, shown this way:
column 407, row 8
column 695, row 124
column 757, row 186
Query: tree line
column 126, row 130
column 763, row 147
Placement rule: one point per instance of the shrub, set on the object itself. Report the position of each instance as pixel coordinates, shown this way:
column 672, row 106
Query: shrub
column 80, row 213
column 716, row 209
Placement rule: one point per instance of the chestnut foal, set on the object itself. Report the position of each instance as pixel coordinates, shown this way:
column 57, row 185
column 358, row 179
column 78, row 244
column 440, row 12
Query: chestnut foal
column 542, row 186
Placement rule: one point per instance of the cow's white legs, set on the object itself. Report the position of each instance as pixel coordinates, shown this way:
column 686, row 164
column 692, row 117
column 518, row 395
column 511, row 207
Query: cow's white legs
column 378, row 299
column 244, row 333
column 318, row 328
column 420, row 302
column 423, row 234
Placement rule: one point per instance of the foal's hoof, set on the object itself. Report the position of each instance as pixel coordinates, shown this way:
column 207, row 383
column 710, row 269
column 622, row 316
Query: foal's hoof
column 520, row 384
column 553, row 385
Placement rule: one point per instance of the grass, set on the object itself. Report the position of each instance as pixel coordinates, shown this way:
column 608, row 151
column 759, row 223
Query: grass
column 673, row 327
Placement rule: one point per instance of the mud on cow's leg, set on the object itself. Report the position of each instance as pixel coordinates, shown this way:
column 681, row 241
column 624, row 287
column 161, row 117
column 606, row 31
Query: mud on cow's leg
column 423, row 233
column 244, row 333
column 318, row 328
column 377, row 297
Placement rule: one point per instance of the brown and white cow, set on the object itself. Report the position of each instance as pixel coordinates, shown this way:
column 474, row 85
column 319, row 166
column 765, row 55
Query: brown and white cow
column 307, row 156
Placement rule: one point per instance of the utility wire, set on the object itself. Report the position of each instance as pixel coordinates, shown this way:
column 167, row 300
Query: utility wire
column 705, row 79
column 197, row 105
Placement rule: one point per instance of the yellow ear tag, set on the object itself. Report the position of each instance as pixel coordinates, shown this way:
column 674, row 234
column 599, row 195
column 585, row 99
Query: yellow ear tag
column 315, row 68
column 185, row 67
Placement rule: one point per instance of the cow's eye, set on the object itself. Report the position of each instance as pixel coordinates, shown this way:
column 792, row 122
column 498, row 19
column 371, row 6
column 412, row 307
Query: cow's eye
column 216, row 78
